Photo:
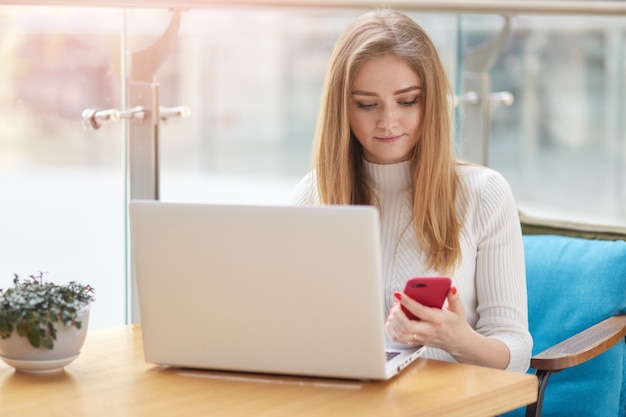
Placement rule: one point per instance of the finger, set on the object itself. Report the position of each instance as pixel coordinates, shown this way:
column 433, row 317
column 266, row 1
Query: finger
column 411, row 334
column 398, row 325
column 454, row 302
column 393, row 334
column 419, row 310
column 389, row 330
column 402, row 330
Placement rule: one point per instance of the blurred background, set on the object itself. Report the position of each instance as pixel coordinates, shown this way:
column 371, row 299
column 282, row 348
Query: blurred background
column 252, row 78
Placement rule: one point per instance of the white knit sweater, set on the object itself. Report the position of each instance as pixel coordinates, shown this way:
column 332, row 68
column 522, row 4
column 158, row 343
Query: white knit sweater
column 491, row 278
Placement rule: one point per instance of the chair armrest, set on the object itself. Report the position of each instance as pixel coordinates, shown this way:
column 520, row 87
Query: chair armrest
column 583, row 346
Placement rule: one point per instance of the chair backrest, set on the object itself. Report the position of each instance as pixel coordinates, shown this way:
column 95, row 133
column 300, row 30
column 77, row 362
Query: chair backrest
column 576, row 279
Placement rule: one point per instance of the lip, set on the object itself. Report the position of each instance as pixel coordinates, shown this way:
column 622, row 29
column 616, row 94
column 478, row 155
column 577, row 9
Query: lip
column 388, row 139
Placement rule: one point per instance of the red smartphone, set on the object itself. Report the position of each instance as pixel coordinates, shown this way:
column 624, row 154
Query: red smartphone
column 429, row 291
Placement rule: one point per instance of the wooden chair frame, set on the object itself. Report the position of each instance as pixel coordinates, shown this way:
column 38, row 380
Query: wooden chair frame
column 573, row 351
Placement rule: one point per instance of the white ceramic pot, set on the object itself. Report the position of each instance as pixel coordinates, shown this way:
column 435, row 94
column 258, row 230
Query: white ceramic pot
column 18, row 352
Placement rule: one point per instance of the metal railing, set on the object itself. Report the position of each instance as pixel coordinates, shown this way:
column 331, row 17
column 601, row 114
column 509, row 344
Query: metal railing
column 559, row 7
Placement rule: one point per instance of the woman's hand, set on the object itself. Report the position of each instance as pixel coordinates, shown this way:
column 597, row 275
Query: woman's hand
column 446, row 329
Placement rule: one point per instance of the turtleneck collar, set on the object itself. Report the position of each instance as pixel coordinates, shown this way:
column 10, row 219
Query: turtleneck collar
column 389, row 178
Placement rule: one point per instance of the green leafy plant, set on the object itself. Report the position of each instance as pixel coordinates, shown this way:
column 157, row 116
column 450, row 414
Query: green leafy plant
column 32, row 307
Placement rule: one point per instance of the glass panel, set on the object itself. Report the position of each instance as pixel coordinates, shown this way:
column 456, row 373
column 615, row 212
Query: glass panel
column 562, row 144
column 252, row 78
column 62, row 187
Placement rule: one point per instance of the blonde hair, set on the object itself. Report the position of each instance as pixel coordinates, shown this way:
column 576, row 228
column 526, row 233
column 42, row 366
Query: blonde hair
column 338, row 155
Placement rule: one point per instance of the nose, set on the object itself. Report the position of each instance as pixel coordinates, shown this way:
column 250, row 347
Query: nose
column 388, row 118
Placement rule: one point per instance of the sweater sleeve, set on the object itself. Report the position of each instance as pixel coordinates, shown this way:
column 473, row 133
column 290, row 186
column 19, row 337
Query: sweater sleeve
column 502, row 305
column 305, row 193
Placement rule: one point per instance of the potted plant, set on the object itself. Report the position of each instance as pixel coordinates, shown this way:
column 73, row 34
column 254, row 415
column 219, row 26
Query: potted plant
column 42, row 324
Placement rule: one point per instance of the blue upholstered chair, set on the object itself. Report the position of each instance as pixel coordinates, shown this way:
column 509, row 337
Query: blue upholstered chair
column 577, row 316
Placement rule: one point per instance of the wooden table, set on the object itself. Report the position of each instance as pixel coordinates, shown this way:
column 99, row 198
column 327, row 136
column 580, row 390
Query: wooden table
column 110, row 378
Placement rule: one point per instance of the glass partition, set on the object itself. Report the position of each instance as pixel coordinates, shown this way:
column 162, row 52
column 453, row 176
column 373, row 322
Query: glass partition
column 562, row 144
column 252, row 77
column 62, row 187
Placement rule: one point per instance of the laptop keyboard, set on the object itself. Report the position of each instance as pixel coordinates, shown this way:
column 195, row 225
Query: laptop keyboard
column 392, row 354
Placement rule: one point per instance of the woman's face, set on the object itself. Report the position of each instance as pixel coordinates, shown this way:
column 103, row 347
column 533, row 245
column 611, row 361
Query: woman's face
column 385, row 109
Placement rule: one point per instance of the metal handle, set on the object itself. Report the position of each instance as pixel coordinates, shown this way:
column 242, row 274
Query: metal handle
column 502, row 97
column 181, row 112
column 93, row 119
column 472, row 98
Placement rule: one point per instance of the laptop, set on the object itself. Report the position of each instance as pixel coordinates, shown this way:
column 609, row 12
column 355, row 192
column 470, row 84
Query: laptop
column 263, row 289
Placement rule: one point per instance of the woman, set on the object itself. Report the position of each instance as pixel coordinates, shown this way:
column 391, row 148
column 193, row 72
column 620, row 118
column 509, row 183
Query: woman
column 384, row 138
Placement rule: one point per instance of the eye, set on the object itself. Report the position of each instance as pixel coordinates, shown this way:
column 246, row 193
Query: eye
column 366, row 106
column 409, row 103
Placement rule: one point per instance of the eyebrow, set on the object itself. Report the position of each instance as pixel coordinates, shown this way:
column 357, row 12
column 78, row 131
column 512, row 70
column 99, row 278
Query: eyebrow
column 395, row 93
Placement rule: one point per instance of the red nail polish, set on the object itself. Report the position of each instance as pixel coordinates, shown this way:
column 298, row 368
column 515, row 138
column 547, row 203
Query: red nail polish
column 398, row 295
column 454, row 290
